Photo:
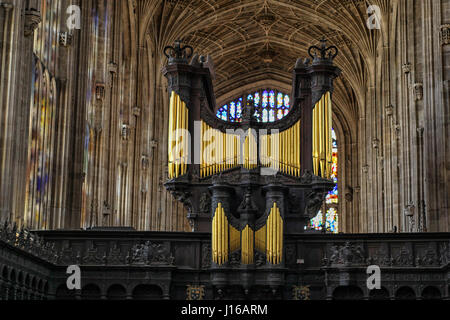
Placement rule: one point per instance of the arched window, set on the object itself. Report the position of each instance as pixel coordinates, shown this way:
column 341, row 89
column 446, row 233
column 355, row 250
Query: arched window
column 330, row 220
column 43, row 100
column 271, row 105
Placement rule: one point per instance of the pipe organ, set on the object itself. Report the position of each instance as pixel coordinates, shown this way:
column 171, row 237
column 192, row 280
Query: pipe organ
column 322, row 140
column 281, row 150
column 219, row 151
column 220, row 236
column 249, row 183
column 267, row 240
column 178, row 142
column 222, row 151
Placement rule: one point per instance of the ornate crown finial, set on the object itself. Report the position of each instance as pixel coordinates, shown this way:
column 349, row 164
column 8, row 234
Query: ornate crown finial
column 178, row 53
column 323, row 54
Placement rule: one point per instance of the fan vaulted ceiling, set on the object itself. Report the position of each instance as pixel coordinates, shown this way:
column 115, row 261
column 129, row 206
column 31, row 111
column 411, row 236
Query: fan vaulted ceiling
column 260, row 40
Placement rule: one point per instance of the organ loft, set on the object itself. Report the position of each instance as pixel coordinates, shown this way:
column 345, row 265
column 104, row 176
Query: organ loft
column 224, row 149
column 249, row 182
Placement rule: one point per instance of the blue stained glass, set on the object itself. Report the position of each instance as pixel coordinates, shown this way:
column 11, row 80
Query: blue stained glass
column 277, row 105
column 287, row 101
column 265, row 117
column 280, row 114
column 272, row 99
column 265, row 99
column 272, row 115
column 280, row 100
column 332, row 220
column 239, row 109
column 257, row 99
column 316, row 222
column 233, row 110
column 332, row 200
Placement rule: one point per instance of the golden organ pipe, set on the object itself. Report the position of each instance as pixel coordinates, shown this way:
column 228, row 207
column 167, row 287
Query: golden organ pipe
column 274, row 239
column 322, row 137
column 214, row 237
column 186, row 139
column 235, row 239
column 203, row 150
column 274, row 235
column 260, row 239
column 169, row 144
column 224, row 153
column 183, row 124
column 274, row 232
column 329, row 129
column 277, row 242
column 225, row 235
column 222, row 244
column 177, row 146
column 219, row 245
column 286, row 152
column 174, row 128
column 226, row 150
column 208, row 155
column 291, row 151
column 220, row 234
column 280, row 235
column 177, row 124
column 244, row 246
column 270, row 234
column 322, row 140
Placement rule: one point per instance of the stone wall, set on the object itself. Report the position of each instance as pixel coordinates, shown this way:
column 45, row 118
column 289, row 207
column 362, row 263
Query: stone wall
column 109, row 139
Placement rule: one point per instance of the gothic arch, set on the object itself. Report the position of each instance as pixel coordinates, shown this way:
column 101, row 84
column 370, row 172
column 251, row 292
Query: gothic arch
column 116, row 292
column 91, row 292
column 147, row 292
column 405, row 293
column 379, row 294
column 348, row 293
column 431, row 293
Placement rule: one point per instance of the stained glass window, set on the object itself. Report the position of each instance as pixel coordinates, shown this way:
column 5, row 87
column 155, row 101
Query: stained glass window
column 42, row 122
column 271, row 106
column 332, row 200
